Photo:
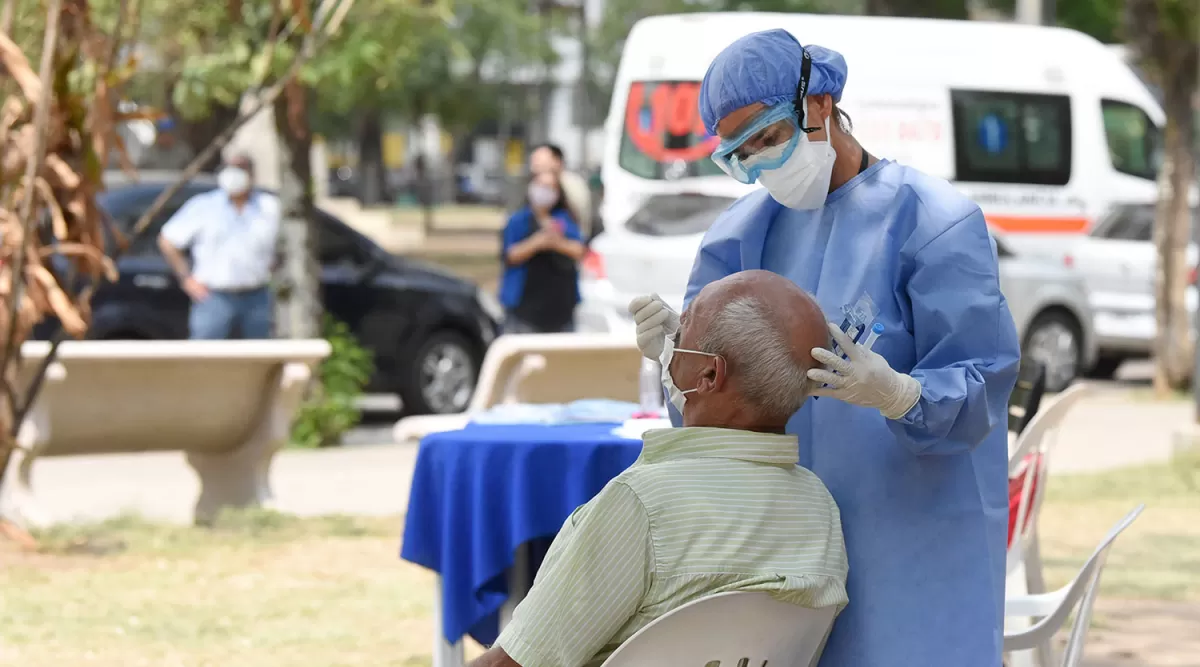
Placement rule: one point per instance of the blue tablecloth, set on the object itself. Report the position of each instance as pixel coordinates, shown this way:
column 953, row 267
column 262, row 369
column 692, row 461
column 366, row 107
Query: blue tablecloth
column 479, row 493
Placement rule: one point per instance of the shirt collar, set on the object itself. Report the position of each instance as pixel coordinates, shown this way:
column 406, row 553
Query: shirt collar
column 669, row 444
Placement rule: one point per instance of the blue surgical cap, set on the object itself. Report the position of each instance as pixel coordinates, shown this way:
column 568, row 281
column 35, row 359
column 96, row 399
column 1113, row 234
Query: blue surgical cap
column 765, row 67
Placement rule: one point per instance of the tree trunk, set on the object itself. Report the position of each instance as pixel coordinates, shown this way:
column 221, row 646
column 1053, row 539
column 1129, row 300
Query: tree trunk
column 1172, row 233
column 298, row 309
column 371, row 183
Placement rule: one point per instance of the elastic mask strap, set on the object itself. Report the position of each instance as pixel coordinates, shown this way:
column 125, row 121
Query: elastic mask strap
column 799, row 104
column 707, row 354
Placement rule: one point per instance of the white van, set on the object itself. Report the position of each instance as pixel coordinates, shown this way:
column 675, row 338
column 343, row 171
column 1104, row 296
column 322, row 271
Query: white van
column 1046, row 128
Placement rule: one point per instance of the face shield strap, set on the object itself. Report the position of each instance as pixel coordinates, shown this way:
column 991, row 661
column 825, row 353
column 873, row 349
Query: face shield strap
column 799, row 104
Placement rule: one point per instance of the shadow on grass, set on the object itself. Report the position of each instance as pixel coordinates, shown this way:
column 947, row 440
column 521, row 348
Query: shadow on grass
column 249, row 526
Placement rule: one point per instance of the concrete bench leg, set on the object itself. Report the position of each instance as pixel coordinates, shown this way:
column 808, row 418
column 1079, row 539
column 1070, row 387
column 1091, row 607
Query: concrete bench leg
column 19, row 504
column 241, row 478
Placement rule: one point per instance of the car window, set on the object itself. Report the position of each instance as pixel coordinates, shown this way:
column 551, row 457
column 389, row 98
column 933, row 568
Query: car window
column 1132, row 223
column 677, row 215
column 1127, row 223
column 1001, row 249
column 1012, row 138
column 663, row 136
column 1134, row 141
column 337, row 243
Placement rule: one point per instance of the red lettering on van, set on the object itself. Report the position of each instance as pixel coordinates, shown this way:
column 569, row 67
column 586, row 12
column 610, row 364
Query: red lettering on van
column 673, row 111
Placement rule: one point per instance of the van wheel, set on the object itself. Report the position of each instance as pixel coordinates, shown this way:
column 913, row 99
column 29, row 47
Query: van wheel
column 1054, row 340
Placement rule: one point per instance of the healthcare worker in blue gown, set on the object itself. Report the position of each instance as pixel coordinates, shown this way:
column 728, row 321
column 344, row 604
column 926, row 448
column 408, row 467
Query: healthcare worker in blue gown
column 909, row 434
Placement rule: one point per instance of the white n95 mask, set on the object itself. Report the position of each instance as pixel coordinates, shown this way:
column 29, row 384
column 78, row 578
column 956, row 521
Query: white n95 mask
column 802, row 182
column 674, row 394
column 234, row 181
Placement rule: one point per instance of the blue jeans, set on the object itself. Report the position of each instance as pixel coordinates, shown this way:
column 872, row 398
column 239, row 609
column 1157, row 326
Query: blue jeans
column 224, row 314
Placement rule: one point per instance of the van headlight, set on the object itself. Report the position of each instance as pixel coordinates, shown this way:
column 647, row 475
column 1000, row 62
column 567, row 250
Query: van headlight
column 490, row 305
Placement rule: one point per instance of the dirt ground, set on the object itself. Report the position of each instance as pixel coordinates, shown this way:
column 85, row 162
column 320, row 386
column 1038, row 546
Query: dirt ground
column 1144, row 633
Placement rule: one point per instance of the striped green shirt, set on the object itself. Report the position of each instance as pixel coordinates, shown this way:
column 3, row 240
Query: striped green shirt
column 702, row 511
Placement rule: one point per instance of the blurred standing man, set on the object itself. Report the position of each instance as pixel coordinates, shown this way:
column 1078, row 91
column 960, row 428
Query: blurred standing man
column 549, row 157
column 232, row 234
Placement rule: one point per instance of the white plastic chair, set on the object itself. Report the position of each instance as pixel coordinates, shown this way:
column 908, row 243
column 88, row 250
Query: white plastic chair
column 1053, row 608
column 729, row 629
column 1033, row 441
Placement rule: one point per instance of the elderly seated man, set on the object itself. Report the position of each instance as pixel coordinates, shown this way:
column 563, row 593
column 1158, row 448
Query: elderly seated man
column 718, row 505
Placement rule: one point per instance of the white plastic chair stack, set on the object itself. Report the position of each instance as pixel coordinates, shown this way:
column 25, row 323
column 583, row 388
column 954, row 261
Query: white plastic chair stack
column 1030, row 458
column 731, row 629
column 1052, row 609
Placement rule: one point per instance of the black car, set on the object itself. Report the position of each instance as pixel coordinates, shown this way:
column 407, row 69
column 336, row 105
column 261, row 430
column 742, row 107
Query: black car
column 427, row 328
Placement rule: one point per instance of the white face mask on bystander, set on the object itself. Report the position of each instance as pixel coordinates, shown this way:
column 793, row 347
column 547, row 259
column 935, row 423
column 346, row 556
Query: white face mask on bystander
column 235, row 181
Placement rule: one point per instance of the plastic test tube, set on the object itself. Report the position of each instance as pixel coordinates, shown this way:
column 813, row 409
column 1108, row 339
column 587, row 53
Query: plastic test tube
column 876, row 331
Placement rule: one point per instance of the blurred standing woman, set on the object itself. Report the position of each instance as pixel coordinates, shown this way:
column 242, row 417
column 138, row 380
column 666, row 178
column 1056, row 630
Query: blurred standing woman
column 541, row 249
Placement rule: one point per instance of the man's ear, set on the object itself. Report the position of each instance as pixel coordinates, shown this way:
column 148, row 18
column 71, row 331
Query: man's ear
column 713, row 377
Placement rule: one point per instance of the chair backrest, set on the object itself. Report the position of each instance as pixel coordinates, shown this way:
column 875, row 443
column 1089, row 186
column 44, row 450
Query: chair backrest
column 133, row 396
column 738, row 629
column 558, row 368
column 1052, row 609
column 541, row 368
column 1026, row 396
column 1030, row 457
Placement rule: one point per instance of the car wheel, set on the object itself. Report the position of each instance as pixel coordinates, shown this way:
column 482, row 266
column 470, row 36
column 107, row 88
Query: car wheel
column 1106, row 367
column 442, row 375
column 1054, row 341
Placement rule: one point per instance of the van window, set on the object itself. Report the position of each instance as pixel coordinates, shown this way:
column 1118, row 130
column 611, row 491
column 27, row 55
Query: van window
column 663, row 136
column 1134, row 141
column 1012, row 138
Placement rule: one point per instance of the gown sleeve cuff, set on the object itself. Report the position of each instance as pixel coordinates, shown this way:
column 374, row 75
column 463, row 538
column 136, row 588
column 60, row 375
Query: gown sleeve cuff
column 907, row 400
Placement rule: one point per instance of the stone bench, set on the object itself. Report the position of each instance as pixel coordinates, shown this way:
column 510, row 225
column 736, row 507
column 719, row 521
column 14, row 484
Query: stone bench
column 228, row 405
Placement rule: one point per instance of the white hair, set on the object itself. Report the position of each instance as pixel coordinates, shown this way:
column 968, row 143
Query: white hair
column 758, row 349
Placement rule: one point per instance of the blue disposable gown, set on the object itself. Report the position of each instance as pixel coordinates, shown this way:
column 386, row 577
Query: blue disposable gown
column 923, row 499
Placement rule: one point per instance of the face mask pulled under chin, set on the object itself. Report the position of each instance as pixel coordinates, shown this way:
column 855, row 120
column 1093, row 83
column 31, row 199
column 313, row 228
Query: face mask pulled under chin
column 677, row 397
column 802, row 182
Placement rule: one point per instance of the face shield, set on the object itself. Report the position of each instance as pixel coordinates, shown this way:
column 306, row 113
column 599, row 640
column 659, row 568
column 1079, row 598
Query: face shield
column 767, row 140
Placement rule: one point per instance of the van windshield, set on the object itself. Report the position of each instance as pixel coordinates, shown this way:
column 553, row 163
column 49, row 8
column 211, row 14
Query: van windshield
column 663, row 137
column 1134, row 141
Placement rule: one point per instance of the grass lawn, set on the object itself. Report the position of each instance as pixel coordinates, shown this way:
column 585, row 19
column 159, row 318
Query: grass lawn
column 1156, row 558
column 264, row 590
column 259, row 589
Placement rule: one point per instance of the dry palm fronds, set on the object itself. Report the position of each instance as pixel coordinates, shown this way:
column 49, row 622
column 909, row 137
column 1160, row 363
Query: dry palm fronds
column 63, row 240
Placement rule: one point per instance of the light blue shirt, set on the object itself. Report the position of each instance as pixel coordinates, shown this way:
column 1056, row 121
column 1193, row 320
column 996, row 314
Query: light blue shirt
column 231, row 249
column 924, row 499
